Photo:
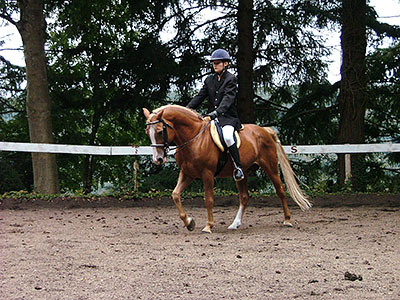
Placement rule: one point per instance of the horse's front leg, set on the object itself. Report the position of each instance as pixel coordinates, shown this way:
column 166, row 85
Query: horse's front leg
column 244, row 200
column 182, row 184
column 208, row 181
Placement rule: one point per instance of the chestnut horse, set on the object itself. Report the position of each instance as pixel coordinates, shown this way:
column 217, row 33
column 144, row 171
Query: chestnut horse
column 197, row 157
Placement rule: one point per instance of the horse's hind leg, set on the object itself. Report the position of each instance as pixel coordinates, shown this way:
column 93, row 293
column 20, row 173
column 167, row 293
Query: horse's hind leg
column 244, row 200
column 182, row 184
column 271, row 168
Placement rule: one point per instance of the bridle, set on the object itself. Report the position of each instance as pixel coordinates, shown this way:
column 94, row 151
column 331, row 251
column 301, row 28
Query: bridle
column 165, row 144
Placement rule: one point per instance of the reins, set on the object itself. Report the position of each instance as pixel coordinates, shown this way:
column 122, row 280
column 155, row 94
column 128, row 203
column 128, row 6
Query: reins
column 180, row 147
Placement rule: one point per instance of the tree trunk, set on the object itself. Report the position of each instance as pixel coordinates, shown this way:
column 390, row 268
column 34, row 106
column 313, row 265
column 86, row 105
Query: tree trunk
column 353, row 97
column 245, row 61
column 32, row 29
column 88, row 169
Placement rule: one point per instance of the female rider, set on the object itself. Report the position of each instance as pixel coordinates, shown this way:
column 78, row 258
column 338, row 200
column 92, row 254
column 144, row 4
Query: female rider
column 221, row 89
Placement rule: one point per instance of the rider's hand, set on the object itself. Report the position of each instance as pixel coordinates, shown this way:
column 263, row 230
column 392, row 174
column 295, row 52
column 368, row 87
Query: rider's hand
column 212, row 115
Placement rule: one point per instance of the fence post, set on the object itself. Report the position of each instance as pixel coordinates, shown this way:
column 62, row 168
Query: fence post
column 347, row 167
column 135, row 171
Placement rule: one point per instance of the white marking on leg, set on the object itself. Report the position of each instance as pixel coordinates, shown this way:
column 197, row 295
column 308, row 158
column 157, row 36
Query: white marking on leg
column 287, row 223
column 238, row 219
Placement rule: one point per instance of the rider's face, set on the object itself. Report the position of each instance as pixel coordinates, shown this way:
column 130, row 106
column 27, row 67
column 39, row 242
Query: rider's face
column 219, row 66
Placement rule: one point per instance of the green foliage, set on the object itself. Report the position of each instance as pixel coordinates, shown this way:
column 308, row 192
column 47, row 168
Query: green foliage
column 103, row 73
column 15, row 167
column 383, row 103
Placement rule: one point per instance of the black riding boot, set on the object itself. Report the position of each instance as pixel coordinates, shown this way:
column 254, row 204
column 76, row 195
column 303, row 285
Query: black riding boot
column 237, row 172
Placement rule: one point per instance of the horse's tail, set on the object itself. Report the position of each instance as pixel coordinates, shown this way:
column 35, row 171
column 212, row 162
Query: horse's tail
column 294, row 190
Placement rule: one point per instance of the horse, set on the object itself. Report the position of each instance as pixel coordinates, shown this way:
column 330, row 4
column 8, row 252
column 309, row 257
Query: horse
column 197, row 157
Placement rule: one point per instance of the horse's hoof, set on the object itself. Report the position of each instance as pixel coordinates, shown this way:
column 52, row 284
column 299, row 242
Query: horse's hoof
column 192, row 225
column 207, row 229
column 234, row 226
column 287, row 223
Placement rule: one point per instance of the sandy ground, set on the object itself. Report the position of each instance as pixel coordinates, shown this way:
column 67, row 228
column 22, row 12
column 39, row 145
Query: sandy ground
column 146, row 253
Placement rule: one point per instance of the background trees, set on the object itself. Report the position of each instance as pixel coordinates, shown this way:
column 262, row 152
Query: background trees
column 108, row 63
column 107, row 59
column 32, row 26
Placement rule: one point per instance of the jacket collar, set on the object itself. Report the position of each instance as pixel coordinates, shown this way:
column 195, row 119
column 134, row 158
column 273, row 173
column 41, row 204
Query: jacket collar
column 222, row 77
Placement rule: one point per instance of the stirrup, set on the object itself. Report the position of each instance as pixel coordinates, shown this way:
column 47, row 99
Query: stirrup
column 238, row 174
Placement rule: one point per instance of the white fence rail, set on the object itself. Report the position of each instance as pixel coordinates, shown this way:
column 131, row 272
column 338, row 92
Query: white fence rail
column 347, row 149
column 147, row 150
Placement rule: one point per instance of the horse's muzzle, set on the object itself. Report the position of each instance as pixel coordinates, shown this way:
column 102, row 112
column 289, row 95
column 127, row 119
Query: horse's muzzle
column 160, row 160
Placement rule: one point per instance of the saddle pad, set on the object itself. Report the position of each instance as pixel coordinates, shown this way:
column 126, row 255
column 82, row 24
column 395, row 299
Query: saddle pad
column 216, row 138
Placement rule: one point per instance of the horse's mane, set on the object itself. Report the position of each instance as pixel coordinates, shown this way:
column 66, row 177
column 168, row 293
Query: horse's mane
column 174, row 106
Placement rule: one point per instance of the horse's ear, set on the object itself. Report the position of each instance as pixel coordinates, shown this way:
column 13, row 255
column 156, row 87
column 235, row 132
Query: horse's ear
column 146, row 113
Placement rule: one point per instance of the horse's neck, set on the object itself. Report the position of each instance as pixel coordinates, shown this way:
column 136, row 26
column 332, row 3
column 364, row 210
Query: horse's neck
column 186, row 129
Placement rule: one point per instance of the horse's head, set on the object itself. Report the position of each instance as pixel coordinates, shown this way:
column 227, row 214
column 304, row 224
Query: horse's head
column 161, row 134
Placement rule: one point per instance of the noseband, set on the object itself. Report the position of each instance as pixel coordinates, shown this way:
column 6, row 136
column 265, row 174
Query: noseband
column 165, row 144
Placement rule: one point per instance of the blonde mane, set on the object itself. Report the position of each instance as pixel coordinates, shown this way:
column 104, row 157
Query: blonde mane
column 193, row 112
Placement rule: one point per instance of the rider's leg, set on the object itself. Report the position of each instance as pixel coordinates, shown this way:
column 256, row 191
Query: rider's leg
column 228, row 132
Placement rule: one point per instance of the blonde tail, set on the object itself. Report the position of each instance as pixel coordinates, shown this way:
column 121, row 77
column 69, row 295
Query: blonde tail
column 294, row 190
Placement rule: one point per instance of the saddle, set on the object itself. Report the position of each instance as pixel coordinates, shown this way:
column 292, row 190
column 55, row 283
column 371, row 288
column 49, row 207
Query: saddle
column 218, row 139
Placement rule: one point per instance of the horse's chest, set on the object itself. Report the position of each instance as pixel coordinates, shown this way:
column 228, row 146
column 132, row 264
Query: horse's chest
column 191, row 167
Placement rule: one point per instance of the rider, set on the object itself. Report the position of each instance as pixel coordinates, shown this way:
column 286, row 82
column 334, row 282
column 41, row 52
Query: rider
column 221, row 89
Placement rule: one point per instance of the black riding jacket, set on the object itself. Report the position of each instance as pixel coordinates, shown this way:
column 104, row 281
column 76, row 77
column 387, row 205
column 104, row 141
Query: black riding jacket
column 221, row 96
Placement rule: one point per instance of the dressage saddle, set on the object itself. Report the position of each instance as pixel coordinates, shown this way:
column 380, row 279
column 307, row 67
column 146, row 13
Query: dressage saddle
column 218, row 139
